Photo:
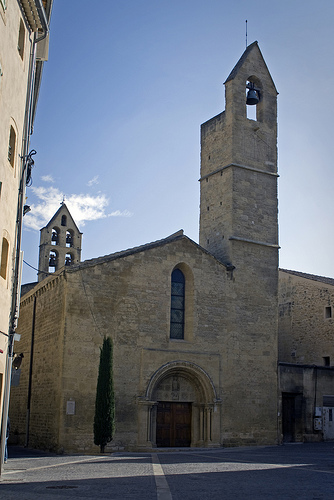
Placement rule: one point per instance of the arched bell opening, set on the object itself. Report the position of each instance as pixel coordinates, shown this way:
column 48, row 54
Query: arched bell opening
column 53, row 261
column 180, row 408
column 55, row 236
column 69, row 238
column 253, row 98
column 68, row 259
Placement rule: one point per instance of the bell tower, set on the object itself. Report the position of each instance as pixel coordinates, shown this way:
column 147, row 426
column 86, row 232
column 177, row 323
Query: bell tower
column 239, row 164
column 60, row 243
column 238, row 225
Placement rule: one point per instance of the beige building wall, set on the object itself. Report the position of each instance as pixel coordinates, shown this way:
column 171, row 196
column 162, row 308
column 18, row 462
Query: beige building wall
column 14, row 69
column 20, row 21
column 306, row 318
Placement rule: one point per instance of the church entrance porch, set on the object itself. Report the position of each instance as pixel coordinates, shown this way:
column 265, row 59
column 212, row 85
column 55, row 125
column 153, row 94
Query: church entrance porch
column 173, row 424
column 180, row 408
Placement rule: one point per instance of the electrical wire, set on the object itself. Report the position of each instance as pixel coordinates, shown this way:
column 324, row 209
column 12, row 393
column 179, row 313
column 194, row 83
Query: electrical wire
column 35, row 269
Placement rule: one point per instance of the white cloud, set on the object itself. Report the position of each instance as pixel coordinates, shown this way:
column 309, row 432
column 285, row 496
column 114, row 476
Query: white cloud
column 118, row 213
column 47, row 178
column 93, row 181
column 83, row 207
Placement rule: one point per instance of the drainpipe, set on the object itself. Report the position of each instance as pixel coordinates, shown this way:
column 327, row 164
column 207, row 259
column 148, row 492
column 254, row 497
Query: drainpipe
column 19, row 219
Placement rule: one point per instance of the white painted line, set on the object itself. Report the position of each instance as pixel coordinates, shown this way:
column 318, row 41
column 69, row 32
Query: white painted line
column 163, row 491
column 61, row 464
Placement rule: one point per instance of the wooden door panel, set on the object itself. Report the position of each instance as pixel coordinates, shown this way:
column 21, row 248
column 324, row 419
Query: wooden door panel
column 173, row 424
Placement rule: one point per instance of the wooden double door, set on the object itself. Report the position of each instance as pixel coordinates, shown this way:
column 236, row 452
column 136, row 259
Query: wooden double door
column 173, row 424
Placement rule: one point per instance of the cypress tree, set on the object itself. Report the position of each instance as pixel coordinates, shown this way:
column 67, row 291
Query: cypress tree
column 104, row 419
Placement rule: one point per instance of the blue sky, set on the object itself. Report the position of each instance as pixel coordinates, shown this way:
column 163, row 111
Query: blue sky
column 124, row 92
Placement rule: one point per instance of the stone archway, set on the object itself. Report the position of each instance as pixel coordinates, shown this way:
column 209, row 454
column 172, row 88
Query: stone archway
column 180, row 408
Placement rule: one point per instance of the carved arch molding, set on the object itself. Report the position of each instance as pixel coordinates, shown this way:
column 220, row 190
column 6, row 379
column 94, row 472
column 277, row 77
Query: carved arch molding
column 181, row 381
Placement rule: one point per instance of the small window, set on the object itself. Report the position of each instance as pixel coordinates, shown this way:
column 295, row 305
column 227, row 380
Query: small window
column 63, row 220
column 4, row 258
column 11, row 146
column 20, row 43
column 327, row 360
column 177, row 305
column 328, row 312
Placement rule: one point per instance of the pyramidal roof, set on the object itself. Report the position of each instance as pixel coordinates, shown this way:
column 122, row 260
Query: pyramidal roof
column 253, row 46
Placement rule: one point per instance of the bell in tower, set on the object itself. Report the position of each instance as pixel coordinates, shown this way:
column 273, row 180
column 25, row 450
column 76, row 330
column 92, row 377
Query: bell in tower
column 60, row 234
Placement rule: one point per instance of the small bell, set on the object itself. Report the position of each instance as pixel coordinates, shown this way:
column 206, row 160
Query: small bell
column 69, row 238
column 52, row 261
column 54, row 237
column 252, row 97
column 68, row 261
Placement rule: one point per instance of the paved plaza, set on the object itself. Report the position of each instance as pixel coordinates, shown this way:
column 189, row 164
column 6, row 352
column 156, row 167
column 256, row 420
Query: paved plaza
column 303, row 471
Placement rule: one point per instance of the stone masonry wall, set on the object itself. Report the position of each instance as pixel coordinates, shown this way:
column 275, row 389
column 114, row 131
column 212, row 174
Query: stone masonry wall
column 305, row 333
column 46, row 382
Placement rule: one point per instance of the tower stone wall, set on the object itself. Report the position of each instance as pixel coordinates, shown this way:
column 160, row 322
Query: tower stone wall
column 238, row 225
column 60, row 243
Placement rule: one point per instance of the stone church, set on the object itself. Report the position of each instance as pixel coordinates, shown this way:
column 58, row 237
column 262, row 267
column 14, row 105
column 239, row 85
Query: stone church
column 194, row 326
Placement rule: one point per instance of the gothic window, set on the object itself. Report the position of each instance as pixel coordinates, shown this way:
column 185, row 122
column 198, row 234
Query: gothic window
column 20, row 43
column 177, row 305
column 4, row 258
column 11, row 146
column 63, row 220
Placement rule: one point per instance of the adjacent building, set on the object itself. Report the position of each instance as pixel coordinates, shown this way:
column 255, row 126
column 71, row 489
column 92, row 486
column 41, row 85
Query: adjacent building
column 306, row 356
column 23, row 49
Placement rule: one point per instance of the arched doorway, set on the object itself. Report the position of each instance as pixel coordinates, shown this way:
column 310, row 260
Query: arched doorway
column 180, row 407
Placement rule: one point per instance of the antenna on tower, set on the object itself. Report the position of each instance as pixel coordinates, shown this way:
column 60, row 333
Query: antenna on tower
column 246, row 33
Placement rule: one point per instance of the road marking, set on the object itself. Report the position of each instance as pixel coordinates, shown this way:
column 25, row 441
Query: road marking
column 28, row 469
column 163, row 491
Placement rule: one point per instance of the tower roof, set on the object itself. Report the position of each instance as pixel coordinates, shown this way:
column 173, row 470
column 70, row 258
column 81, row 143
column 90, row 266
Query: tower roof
column 252, row 47
column 63, row 208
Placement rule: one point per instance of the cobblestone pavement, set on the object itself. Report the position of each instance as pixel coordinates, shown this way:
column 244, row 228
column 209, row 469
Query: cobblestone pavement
column 303, row 471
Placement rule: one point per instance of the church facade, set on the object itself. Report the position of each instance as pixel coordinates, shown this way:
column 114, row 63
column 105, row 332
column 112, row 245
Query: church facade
column 194, row 326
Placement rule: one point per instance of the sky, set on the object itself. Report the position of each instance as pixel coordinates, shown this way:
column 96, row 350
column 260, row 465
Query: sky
column 124, row 92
